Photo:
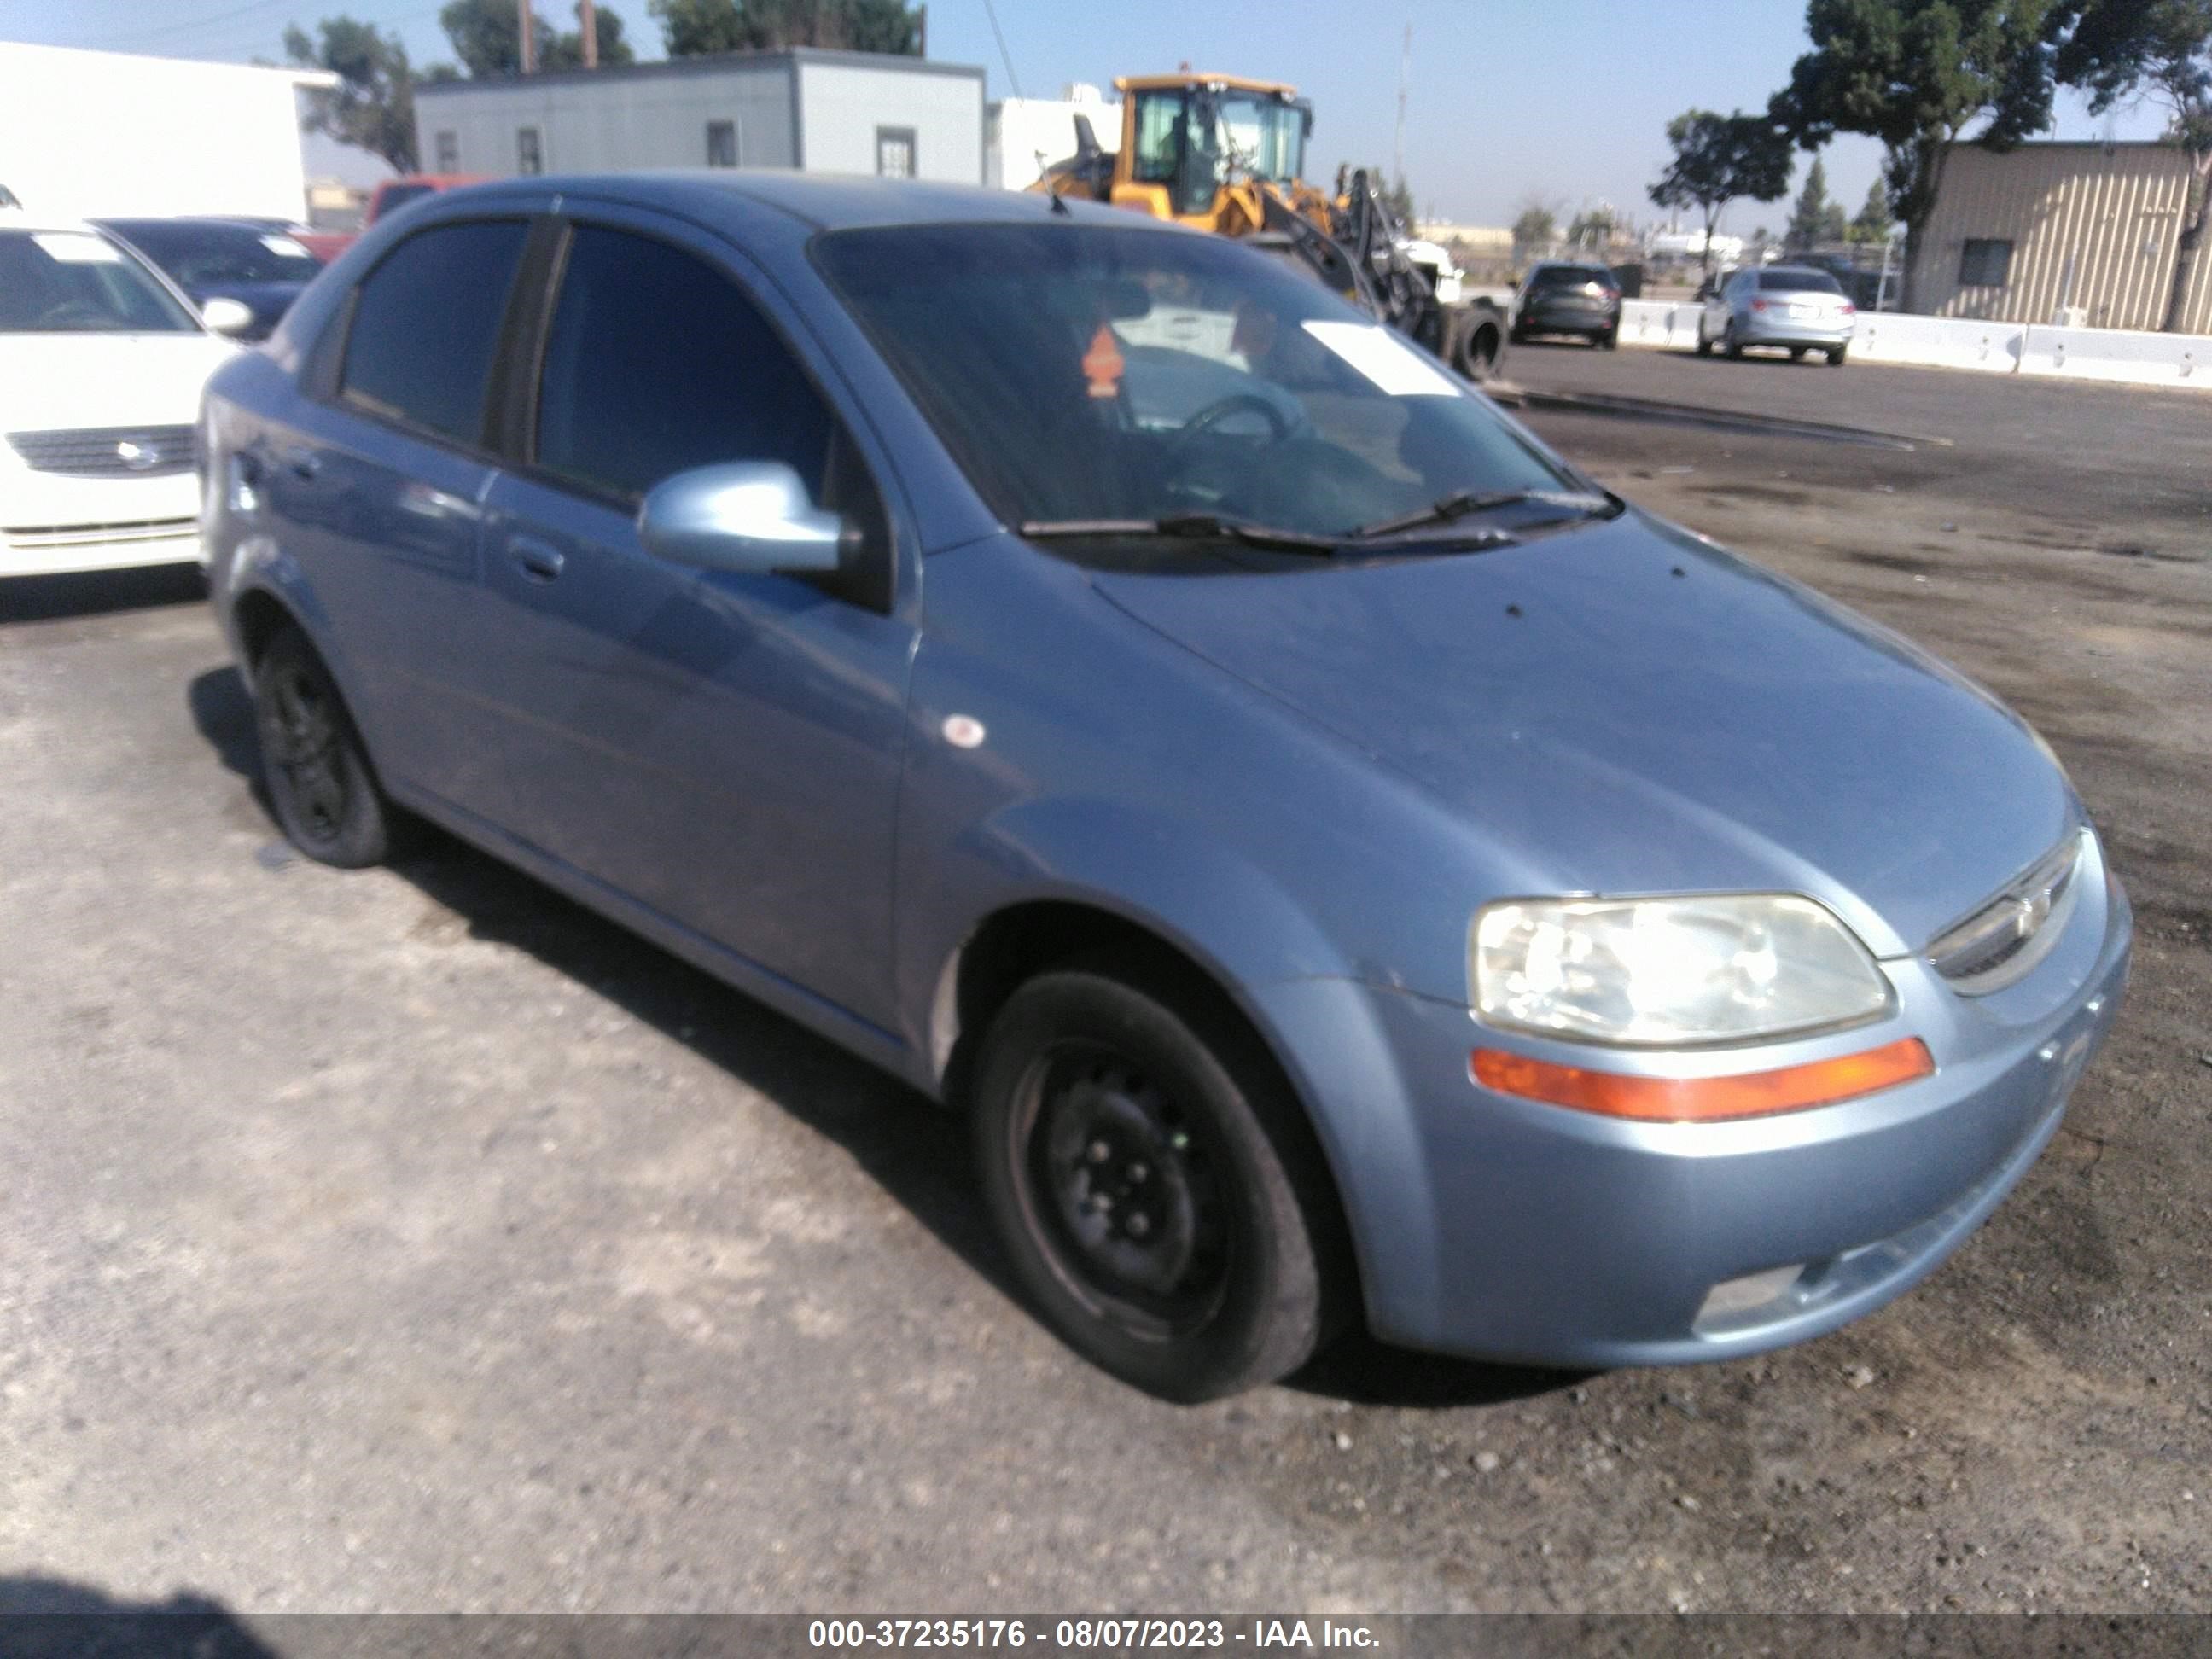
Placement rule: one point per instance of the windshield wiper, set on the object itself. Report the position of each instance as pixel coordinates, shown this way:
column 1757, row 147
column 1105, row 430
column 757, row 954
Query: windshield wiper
column 1192, row 526
column 1461, row 502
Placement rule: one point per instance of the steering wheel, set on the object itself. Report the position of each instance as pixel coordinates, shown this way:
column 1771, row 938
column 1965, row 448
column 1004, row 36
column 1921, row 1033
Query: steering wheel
column 1236, row 402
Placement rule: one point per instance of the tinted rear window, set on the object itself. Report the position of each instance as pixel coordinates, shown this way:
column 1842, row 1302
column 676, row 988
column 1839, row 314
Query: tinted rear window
column 1572, row 276
column 1798, row 282
column 425, row 325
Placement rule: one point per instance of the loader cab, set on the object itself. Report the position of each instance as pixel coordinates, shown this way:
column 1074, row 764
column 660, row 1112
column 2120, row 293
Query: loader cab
column 1185, row 138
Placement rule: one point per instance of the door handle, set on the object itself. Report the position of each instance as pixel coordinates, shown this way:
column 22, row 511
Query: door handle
column 534, row 559
column 302, row 462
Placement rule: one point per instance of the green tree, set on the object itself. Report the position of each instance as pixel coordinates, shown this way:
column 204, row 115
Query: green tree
column 1718, row 158
column 691, row 28
column 373, row 106
column 566, row 49
column 487, row 37
column 1874, row 221
column 1808, row 215
column 1916, row 74
column 2116, row 49
column 1536, row 226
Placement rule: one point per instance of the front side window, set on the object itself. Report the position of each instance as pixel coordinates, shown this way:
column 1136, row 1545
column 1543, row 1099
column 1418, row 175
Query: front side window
column 426, row 324
column 895, row 152
column 1985, row 263
column 1084, row 372
column 656, row 363
column 71, row 281
column 722, row 143
column 529, row 156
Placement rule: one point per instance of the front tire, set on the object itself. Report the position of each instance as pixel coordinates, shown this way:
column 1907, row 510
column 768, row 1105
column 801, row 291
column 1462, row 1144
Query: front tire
column 320, row 785
column 1147, row 1175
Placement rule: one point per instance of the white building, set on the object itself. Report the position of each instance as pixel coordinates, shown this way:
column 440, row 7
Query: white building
column 815, row 110
column 1690, row 245
column 110, row 133
column 1025, row 136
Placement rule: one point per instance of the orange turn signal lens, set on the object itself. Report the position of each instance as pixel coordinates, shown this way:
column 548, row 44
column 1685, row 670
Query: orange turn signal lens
column 1704, row 1099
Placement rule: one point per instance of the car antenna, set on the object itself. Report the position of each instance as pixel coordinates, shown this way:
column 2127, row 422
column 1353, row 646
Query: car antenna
column 1058, row 205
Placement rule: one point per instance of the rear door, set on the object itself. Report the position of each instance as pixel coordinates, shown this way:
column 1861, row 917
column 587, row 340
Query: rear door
column 723, row 748
column 378, row 490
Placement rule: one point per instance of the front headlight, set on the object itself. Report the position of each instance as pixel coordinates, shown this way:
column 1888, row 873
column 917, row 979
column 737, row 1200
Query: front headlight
column 1727, row 968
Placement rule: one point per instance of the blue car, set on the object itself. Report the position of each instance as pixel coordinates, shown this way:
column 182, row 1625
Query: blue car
column 1348, row 868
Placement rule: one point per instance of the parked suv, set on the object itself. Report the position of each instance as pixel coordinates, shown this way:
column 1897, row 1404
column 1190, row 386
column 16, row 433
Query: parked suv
column 1347, row 866
column 1557, row 298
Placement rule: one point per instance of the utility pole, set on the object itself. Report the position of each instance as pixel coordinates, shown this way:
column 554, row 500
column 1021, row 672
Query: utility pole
column 528, row 46
column 1405, row 69
column 587, row 18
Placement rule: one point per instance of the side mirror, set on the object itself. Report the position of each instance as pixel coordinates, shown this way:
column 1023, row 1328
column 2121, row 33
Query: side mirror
column 231, row 316
column 750, row 516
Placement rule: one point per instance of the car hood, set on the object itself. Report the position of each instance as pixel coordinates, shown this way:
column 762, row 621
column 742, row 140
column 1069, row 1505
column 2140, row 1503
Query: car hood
column 55, row 381
column 1623, row 707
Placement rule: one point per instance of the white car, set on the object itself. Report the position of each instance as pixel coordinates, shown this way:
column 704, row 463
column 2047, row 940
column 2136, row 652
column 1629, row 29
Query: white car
column 102, row 363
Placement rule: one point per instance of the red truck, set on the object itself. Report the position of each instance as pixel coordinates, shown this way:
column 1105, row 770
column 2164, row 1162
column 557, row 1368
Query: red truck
column 389, row 197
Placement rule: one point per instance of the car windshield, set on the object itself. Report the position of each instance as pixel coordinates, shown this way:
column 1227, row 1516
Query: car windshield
column 72, row 281
column 197, row 255
column 1089, row 373
column 1798, row 282
column 1571, row 277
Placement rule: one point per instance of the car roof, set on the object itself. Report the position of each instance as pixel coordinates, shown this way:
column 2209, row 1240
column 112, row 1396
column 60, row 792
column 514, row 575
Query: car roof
column 831, row 202
column 22, row 219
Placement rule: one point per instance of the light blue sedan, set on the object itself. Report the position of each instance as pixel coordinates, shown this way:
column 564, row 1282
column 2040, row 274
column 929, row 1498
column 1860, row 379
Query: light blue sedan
column 1348, row 867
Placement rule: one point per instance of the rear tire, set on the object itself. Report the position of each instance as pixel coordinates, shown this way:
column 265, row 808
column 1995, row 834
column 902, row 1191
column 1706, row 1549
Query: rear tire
column 320, row 784
column 1606, row 341
column 1836, row 355
column 1704, row 346
column 1797, row 354
column 1150, row 1179
column 1730, row 345
column 1479, row 345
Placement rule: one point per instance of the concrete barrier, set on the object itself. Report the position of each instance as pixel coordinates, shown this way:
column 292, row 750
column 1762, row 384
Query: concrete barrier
column 2119, row 354
column 1889, row 337
column 1659, row 322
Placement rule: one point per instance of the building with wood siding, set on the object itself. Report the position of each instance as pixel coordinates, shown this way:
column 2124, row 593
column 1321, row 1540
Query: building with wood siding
column 2080, row 232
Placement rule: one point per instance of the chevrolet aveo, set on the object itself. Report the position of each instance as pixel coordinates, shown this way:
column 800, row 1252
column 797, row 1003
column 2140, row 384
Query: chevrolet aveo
column 1349, row 868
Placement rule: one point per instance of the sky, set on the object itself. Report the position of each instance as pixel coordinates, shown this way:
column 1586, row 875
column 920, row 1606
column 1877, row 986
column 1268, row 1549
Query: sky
column 1564, row 101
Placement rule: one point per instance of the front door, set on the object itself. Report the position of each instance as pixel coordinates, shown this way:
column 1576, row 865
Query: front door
column 723, row 748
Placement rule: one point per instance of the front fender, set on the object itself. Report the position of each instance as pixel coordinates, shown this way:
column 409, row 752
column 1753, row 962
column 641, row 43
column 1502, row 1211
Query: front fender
column 1169, row 879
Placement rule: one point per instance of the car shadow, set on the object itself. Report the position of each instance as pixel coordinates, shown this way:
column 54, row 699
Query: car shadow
column 917, row 1150
column 99, row 593
column 51, row 1618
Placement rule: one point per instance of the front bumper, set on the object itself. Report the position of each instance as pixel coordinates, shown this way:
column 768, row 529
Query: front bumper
column 1505, row 1228
column 51, row 524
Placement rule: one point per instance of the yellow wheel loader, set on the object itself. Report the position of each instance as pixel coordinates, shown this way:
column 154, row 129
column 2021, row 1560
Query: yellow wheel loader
column 1225, row 154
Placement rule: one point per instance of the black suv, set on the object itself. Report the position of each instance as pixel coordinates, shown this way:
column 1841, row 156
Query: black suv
column 1557, row 298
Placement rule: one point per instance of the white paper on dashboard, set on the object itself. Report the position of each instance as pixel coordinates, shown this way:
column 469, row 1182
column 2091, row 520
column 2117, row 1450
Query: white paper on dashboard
column 1394, row 367
column 74, row 247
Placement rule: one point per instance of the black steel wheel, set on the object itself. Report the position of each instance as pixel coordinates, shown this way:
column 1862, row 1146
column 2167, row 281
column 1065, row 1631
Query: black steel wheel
column 1157, row 1190
column 320, row 786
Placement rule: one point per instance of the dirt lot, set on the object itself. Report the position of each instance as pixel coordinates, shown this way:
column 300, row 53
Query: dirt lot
column 414, row 1239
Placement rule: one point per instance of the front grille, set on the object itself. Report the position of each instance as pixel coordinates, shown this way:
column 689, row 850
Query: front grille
column 35, row 538
column 2008, row 933
column 108, row 452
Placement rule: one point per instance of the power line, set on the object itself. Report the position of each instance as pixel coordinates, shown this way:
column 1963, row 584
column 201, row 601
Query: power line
column 188, row 24
column 1005, row 57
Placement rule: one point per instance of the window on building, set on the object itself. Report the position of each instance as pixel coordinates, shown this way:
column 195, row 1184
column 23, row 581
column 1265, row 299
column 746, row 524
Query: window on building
column 449, row 152
column 529, row 156
column 426, row 324
column 1985, row 263
column 722, row 143
column 656, row 363
column 895, row 152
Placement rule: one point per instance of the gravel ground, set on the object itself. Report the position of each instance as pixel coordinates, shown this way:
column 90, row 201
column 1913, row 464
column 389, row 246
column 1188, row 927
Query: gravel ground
column 413, row 1240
